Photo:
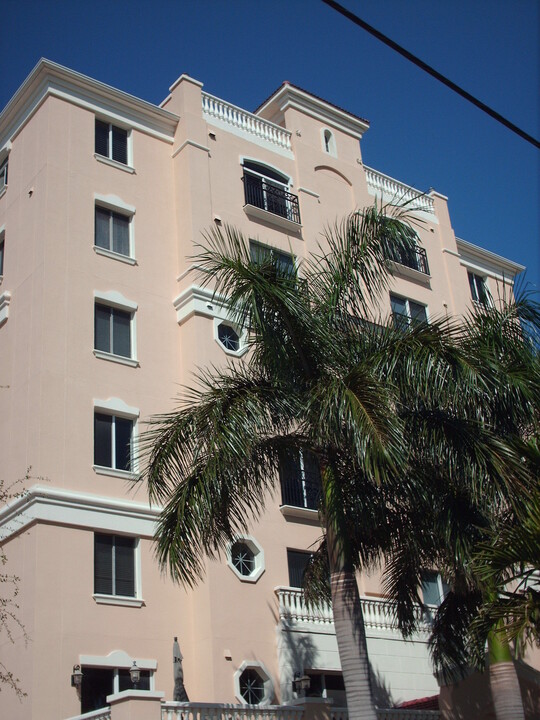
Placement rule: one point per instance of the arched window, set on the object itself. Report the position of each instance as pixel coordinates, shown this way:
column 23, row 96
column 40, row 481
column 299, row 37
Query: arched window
column 268, row 189
column 329, row 143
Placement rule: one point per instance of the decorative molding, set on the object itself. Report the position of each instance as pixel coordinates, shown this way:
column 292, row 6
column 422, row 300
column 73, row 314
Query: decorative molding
column 82, row 510
column 122, row 600
column 114, row 163
column 115, row 299
column 192, row 143
column 118, row 659
column 115, row 256
column 196, row 300
column 486, row 262
column 120, row 359
column 5, row 300
column 113, row 202
column 307, row 191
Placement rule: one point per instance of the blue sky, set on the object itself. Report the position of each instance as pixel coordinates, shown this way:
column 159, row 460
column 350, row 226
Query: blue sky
column 421, row 133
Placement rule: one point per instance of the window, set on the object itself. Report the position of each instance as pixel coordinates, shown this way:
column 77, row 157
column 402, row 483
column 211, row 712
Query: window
column 329, row 143
column 112, row 231
column 114, row 565
column 268, row 189
column 262, row 253
column 300, row 479
column 112, row 330
column 252, row 684
column 98, row 682
column 111, row 142
column 407, row 312
column 3, row 174
column 228, row 337
column 434, row 589
column 297, row 561
column 245, row 557
column 327, row 685
column 113, row 441
column 479, row 291
column 2, row 245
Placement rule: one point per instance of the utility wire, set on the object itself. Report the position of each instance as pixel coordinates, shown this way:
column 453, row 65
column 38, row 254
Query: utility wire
column 431, row 71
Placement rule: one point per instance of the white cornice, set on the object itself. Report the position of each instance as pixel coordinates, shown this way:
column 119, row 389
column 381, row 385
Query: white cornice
column 68, row 507
column 486, row 261
column 197, row 300
column 290, row 96
column 50, row 79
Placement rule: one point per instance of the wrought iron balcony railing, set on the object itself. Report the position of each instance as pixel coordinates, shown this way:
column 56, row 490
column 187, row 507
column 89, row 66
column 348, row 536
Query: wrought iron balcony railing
column 302, row 491
column 269, row 196
column 416, row 259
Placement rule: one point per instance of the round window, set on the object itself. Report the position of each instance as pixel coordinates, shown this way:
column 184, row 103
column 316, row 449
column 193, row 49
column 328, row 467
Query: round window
column 251, row 686
column 228, row 337
column 243, row 558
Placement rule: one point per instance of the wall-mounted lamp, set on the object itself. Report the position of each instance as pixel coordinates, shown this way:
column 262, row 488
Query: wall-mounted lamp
column 76, row 676
column 301, row 683
column 134, row 673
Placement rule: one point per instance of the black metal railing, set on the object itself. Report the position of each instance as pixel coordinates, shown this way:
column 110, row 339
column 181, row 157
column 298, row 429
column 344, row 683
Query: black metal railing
column 263, row 194
column 298, row 491
column 415, row 258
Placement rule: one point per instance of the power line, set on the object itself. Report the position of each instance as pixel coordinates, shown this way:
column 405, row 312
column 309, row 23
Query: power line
column 431, row 71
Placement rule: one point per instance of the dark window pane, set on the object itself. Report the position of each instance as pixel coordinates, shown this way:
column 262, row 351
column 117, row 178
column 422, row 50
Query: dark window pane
column 1, row 257
column 266, row 171
column 102, row 328
column 124, row 566
column 121, row 333
column 251, row 687
column 120, row 243
column 102, row 228
column 97, row 683
column 119, row 145
column 297, row 562
column 418, row 312
column 430, row 588
column 103, row 554
column 292, row 492
column 102, row 440
column 102, row 138
column 123, row 443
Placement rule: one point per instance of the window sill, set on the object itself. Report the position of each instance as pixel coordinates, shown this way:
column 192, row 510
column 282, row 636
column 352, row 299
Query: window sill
column 114, row 163
column 410, row 273
column 115, row 256
column 118, row 600
column 114, row 472
column 300, row 513
column 120, row 359
column 257, row 212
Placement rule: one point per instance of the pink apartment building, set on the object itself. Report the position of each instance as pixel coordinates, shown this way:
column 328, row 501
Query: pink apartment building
column 103, row 198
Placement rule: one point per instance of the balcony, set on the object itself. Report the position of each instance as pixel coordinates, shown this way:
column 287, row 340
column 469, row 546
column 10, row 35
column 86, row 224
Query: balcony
column 267, row 200
column 397, row 193
column 414, row 259
column 378, row 614
column 300, row 481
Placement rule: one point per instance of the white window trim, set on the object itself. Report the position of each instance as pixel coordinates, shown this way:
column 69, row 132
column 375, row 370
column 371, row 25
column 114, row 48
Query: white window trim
column 116, row 204
column 331, row 143
column 258, row 556
column 245, row 158
column 114, row 299
column 265, row 676
column 109, row 160
column 126, row 600
column 117, row 407
column 484, row 280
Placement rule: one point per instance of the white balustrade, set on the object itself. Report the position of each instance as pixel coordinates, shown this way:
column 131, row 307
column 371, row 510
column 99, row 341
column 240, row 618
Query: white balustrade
column 378, row 614
column 101, row 714
column 398, row 192
column 392, row 714
column 243, row 120
column 218, row 711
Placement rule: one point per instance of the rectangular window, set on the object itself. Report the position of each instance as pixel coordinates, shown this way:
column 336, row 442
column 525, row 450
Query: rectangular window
column 297, row 561
column 262, row 253
column 112, row 231
column 112, row 441
column 111, row 142
column 300, row 479
column 1, row 254
column 479, row 291
column 434, row 589
column 3, row 174
column 112, row 330
column 98, row 682
column 114, row 565
column 407, row 312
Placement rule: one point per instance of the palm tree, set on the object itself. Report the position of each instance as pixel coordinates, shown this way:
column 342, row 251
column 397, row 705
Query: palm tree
column 319, row 380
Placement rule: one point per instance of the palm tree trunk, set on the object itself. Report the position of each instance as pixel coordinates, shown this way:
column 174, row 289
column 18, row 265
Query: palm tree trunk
column 348, row 618
column 503, row 678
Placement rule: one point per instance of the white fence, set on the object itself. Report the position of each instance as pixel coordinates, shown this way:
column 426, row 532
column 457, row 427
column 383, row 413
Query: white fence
column 378, row 614
column 234, row 116
column 214, row 711
column 397, row 192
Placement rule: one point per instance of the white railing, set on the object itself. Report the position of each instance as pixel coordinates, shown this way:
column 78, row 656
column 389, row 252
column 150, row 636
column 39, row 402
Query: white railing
column 219, row 711
column 397, row 191
column 378, row 614
column 232, row 115
column 101, row 714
